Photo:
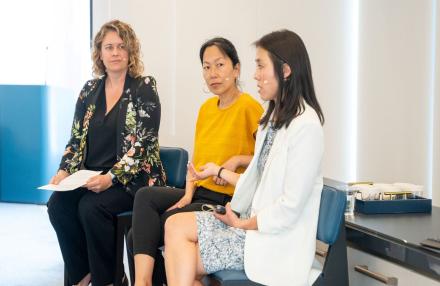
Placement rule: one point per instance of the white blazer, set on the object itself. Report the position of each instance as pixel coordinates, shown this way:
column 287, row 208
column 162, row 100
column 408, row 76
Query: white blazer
column 286, row 203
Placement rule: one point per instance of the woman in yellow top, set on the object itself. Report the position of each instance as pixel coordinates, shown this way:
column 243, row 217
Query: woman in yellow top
column 225, row 134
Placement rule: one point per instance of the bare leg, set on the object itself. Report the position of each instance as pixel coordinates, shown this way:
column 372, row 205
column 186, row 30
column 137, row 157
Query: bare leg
column 201, row 273
column 182, row 257
column 143, row 265
column 85, row 281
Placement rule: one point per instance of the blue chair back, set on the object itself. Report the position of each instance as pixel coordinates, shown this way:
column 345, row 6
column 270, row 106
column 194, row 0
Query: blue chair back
column 331, row 213
column 331, row 230
column 174, row 161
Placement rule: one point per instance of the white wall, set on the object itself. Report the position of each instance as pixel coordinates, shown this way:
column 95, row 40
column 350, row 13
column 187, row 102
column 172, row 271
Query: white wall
column 173, row 31
column 372, row 65
column 395, row 97
column 45, row 42
column 23, row 47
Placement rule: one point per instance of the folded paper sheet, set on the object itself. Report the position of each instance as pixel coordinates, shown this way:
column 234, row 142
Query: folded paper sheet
column 72, row 182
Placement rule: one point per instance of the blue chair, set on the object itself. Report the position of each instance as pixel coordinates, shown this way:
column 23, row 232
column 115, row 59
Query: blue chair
column 331, row 231
column 174, row 161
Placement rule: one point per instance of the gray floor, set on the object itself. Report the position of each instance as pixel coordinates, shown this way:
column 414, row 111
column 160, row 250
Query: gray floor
column 29, row 252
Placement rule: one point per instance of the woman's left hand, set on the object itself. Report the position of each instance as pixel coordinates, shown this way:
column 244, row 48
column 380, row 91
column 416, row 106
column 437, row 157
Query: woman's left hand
column 99, row 183
column 229, row 218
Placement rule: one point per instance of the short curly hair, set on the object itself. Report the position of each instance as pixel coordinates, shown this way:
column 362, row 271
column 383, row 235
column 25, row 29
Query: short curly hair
column 128, row 36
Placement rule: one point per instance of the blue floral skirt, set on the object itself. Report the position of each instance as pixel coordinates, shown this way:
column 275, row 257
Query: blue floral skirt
column 221, row 246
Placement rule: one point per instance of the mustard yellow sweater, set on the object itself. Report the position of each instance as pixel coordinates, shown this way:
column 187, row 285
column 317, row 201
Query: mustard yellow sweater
column 223, row 133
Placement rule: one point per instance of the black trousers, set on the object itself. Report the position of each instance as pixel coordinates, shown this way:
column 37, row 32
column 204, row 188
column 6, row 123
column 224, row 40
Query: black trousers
column 149, row 216
column 85, row 227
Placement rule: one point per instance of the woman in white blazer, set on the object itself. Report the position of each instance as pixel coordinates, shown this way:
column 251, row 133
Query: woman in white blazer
column 277, row 197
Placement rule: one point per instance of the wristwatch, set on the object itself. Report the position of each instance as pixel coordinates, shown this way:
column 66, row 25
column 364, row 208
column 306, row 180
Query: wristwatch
column 114, row 179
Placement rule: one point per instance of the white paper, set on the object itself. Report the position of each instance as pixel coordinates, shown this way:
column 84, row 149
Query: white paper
column 72, row 182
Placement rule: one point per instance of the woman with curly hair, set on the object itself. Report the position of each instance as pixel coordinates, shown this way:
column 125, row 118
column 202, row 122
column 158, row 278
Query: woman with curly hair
column 115, row 130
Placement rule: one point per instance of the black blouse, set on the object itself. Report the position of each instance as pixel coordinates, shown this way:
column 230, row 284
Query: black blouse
column 102, row 137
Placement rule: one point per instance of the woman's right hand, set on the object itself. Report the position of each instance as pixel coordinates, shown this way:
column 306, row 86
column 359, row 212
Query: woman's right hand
column 184, row 201
column 60, row 175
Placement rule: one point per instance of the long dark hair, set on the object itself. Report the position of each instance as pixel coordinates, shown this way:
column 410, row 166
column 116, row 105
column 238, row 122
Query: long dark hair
column 286, row 47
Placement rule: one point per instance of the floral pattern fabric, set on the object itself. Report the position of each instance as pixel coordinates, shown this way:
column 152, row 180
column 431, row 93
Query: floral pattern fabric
column 265, row 150
column 221, row 246
column 137, row 130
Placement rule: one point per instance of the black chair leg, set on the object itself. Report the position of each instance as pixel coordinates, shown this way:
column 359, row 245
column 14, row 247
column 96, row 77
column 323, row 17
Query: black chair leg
column 130, row 257
column 159, row 275
column 335, row 270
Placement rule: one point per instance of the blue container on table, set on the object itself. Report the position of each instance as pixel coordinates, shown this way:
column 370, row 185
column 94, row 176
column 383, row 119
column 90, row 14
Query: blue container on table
column 410, row 205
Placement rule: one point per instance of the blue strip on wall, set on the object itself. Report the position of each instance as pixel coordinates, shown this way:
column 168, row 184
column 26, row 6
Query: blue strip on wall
column 23, row 144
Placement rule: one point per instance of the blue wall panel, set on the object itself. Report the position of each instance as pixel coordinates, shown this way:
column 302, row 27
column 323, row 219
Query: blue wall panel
column 24, row 144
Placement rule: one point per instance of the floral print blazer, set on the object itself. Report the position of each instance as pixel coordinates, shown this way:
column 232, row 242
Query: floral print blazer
column 137, row 130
